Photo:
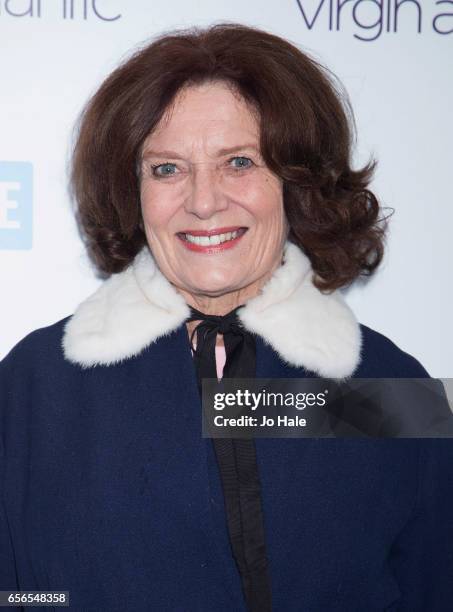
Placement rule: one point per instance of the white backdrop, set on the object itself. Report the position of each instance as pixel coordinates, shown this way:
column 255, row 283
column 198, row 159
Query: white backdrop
column 396, row 64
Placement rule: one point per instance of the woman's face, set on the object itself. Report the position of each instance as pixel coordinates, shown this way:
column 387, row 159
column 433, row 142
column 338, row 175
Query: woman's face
column 213, row 212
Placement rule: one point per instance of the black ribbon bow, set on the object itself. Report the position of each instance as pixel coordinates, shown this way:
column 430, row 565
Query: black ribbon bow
column 236, row 458
column 239, row 345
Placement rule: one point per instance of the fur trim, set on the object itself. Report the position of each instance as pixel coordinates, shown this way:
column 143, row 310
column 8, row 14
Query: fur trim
column 305, row 327
column 139, row 305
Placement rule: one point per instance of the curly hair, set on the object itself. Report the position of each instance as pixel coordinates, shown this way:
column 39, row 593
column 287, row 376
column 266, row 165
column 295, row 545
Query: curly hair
column 307, row 131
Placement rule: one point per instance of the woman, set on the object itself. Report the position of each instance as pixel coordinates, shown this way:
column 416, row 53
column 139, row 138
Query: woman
column 213, row 185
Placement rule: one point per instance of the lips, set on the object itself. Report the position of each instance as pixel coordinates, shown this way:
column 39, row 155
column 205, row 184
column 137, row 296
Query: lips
column 211, row 241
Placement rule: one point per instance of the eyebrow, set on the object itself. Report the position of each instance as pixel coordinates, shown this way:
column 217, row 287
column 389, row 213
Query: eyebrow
column 220, row 152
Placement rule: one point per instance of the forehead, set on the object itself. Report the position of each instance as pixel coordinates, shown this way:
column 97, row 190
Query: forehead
column 210, row 113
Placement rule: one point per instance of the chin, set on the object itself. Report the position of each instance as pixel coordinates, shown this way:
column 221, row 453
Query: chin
column 214, row 287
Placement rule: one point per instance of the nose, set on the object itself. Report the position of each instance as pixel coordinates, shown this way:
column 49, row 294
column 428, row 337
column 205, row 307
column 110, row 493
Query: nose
column 205, row 197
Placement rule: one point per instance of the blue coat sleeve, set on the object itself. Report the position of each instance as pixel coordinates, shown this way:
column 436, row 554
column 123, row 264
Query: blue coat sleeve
column 8, row 578
column 422, row 554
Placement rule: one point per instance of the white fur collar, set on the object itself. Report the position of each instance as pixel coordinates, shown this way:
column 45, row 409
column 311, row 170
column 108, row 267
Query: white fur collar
column 134, row 308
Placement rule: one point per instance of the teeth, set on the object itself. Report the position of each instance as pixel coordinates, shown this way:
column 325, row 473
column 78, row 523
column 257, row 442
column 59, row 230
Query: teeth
column 212, row 240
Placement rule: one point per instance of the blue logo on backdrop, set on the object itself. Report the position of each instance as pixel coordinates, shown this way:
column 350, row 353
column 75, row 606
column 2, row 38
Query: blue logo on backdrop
column 16, row 196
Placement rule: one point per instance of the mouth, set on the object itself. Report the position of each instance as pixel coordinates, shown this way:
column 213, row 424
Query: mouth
column 211, row 241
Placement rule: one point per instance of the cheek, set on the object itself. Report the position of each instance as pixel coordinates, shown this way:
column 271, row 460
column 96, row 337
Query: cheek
column 265, row 199
column 156, row 207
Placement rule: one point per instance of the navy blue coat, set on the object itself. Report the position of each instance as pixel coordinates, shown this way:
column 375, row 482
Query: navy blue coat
column 109, row 491
column 119, row 501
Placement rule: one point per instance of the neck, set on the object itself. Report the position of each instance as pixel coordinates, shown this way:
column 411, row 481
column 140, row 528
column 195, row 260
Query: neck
column 223, row 304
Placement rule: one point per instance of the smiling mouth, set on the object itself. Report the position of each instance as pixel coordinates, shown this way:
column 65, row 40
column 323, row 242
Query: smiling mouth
column 212, row 238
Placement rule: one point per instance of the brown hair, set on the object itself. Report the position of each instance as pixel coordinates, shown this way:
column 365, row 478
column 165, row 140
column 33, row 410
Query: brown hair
column 307, row 128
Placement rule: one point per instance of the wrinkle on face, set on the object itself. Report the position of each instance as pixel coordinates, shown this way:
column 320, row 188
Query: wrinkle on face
column 208, row 188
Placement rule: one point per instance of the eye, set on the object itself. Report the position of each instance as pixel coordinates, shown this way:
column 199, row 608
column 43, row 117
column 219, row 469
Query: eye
column 166, row 169
column 245, row 162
